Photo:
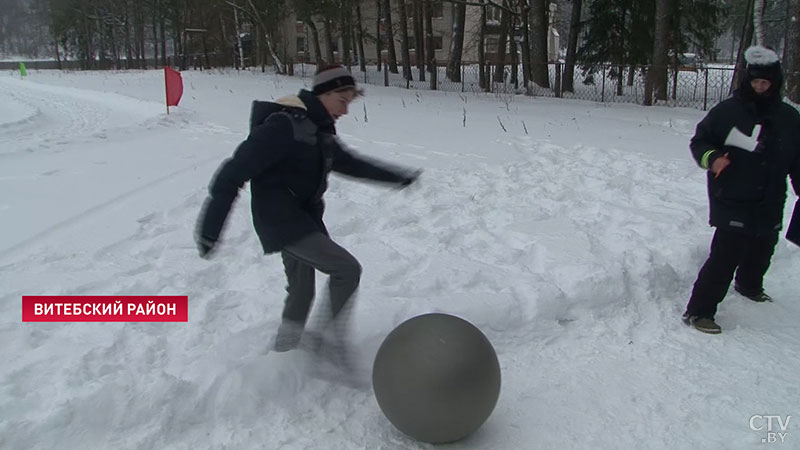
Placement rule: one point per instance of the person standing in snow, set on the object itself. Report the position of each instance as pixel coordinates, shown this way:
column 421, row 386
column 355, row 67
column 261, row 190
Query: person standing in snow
column 287, row 157
column 748, row 143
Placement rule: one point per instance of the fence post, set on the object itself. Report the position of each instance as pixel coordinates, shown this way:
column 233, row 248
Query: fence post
column 603, row 90
column 385, row 74
column 705, row 91
column 558, row 80
column 462, row 77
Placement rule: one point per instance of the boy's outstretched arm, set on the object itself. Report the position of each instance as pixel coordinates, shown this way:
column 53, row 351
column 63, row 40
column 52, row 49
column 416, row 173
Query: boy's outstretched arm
column 348, row 162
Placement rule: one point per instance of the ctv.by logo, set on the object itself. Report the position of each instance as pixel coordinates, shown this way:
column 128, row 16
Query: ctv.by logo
column 773, row 424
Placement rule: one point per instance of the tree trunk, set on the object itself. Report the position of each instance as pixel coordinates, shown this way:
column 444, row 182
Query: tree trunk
column 362, row 60
column 401, row 6
column 128, row 44
column 526, row 44
column 512, row 45
column 747, row 38
column 656, row 80
column 163, row 28
column 207, row 59
column 387, row 21
column 155, row 33
column 326, row 33
column 419, row 38
column 315, row 40
column 482, row 50
column 502, row 40
column 568, row 80
column 139, row 27
column 344, row 25
column 457, row 42
column 758, row 22
column 430, row 48
column 58, row 54
column 539, row 28
column 378, row 41
column 791, row 55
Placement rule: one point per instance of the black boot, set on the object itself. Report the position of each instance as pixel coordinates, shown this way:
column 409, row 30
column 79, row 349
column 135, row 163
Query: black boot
column 289, row 334
column 758, row 296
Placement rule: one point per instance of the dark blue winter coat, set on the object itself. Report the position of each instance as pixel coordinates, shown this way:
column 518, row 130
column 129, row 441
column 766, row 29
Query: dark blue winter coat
column 291, row 148
column 749, row 195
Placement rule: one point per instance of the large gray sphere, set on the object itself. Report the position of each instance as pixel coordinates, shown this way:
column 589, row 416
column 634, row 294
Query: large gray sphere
column 436, row 378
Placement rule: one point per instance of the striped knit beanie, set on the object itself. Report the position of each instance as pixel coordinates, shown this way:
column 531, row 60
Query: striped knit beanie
column 332, row 78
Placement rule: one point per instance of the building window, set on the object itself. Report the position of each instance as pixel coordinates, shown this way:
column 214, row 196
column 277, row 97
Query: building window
column 437, row 42
column 412, row 42
column 493, row 15
column 299, row 27
column 301, row 44
column 437, row 9
column 492, row 44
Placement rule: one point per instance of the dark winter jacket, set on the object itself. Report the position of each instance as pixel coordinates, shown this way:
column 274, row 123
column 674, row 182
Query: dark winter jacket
column 286, row 158
column 749, row 195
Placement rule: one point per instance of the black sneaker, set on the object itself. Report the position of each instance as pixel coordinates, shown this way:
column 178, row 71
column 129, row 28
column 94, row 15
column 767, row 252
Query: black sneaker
column 703, row 324
column 288, row 337
column 756, row 296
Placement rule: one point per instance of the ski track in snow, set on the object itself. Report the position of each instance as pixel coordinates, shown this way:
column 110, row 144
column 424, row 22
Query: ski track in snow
column 64, row 115
column 540, row 254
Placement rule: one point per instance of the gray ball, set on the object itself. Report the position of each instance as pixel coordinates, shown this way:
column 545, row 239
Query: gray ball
column 436, row 378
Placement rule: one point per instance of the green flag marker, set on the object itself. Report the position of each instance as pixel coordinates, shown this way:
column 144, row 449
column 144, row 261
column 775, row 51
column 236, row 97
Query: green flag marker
column 22, row 71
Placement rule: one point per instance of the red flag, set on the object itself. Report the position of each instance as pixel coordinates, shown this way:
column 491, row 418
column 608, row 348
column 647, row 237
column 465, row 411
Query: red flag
column 174, row 86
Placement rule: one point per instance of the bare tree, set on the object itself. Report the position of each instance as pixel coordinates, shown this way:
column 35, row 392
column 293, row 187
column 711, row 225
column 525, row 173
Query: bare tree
column 747, row 38
column 430, row 49
column 419, row 38
column 362, row 60
column 327, row 33
column 539, row 26
column 320, row 61
column 482, row 49
column 401, row 9
column 525, row 11
column 502, row 40
column 344, row 27
column 656, row 80
column 378, row 41
column 387, row 21
column 791, row 52
column 457, row 42
column 568, row 80
column 758, row 22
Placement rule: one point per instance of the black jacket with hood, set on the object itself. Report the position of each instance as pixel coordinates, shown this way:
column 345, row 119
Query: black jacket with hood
column 749, row 195
column 291, row 148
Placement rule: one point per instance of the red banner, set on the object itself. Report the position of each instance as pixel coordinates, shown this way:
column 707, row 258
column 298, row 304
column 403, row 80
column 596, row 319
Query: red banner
column 173, row 83
column 105, row 308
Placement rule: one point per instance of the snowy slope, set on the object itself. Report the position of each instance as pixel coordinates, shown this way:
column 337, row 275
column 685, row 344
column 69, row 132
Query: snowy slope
column 571, row 239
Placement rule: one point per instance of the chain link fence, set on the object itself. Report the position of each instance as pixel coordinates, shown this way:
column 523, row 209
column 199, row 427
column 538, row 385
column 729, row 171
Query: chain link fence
column 695, row 87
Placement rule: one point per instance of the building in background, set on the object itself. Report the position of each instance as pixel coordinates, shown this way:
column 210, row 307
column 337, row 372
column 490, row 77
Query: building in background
column 300, row 48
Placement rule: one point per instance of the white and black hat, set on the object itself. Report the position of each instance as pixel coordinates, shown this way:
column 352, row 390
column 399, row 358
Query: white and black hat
column 332, row 78
column 763, row 63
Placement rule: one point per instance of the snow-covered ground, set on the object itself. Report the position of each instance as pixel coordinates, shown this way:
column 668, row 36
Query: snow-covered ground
column 571, row 238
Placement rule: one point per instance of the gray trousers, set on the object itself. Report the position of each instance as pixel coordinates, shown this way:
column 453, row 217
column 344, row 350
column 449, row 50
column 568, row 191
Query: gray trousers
column 317, row 252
